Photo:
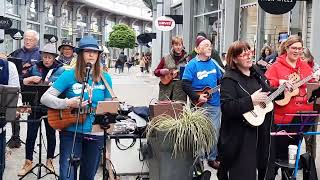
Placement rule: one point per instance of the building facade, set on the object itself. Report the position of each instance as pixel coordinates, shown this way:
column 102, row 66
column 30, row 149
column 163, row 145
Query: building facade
column 72, row 19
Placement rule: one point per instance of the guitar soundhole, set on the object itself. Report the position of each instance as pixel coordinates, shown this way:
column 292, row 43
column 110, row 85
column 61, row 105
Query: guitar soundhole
column 263, row 105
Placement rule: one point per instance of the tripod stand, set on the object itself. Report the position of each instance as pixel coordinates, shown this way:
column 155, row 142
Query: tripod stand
column 40, row 164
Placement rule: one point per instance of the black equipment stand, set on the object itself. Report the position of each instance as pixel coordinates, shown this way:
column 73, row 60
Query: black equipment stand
column 40, row 164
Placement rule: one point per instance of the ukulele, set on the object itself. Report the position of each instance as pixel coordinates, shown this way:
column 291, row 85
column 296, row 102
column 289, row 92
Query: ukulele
column 256, row 116
column 295, row 78
column 168, row 78
column 208, row 91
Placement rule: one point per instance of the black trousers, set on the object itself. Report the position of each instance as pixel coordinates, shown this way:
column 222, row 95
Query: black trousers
column 32, row 133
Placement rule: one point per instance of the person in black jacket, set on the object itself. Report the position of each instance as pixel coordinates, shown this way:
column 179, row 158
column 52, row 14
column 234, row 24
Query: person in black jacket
column 243, row 148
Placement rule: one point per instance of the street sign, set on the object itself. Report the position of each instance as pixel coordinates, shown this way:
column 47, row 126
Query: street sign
column 277, row 6
column 5, row 23
column 164, row 23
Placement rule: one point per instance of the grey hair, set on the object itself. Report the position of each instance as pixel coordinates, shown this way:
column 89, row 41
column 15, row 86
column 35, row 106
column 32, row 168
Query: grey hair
column 35, row 33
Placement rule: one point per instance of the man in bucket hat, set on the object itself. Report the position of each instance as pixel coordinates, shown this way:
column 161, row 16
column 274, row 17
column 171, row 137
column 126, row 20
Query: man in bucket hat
column 67, row 56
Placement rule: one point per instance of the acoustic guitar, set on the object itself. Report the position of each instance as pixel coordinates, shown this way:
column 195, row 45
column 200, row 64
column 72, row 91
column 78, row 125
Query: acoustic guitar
column 168, row 78
column 295, row 78
column 208, row 91
column 62, row 118
column 257, row 115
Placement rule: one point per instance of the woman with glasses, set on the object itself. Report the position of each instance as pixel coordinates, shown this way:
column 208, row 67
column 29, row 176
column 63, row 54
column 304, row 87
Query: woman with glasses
column 289, row 67
column 243, row 148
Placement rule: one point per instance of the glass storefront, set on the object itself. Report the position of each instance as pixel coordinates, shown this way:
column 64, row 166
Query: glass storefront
column 11, row 44
column 248, row 25
column 273, row 25
column 12, row 7
column 179, row 27
column 247, row 1
column 50, row 30
column 32, row 26
column 49, row 16
column 33, row 8
column 207, row 19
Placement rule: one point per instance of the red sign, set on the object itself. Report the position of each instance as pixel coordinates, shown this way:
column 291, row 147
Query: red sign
column 164, row 23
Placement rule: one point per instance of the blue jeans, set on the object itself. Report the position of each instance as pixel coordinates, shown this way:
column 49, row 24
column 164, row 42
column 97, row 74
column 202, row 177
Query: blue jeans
column 2, row 153
column 215, row 115
column 87, row 147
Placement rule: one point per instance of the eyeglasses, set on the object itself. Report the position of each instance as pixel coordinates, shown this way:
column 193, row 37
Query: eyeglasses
column 29, row 40
column 296, row 48
column 245, row 54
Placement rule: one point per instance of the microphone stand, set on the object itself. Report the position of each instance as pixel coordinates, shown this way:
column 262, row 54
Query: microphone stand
column 73, row 160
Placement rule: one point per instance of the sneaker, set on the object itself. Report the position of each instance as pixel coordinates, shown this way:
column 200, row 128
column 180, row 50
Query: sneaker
column 50, row 165
column 26, row 168
column 14, row 143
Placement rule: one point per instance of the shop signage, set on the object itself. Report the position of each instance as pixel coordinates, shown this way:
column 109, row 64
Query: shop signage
column 5, row 23
column 164, row 23
column 277, row 6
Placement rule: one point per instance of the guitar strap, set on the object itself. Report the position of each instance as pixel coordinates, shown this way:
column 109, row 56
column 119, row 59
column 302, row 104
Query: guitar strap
column 106, row 84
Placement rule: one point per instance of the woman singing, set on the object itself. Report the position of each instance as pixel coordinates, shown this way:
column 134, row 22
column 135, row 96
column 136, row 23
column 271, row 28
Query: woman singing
column 243, row 148
column 88, row 145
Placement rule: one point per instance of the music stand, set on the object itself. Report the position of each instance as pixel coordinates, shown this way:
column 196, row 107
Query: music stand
column 313, row 93
column 8, row 105
column 35, row 102
column 8, row 102
column 17, row 62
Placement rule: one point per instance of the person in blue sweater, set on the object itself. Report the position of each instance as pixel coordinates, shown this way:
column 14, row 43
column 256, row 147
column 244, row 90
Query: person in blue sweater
column 88, row 143
column 201, row 72
column 43, row 72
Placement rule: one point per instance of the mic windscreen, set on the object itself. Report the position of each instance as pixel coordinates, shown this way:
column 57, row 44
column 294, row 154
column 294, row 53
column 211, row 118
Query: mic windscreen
column 89, row 65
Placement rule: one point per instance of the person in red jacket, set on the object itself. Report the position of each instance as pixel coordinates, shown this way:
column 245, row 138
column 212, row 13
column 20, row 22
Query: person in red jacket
column 287, row 64
column 170, row 86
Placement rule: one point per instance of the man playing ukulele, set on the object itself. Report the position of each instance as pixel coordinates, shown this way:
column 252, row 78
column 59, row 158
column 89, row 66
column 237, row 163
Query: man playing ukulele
column 168, row 71
column 202, row 72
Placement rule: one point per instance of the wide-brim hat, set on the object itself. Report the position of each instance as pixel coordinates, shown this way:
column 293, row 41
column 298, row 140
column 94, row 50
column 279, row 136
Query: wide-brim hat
column 88, row 42
column 49, row 48
column 65, row 42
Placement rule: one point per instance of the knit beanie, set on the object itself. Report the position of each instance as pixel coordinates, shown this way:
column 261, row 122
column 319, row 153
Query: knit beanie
column 199, row 40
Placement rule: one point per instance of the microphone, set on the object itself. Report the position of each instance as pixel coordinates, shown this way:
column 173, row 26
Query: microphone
column 88, row 69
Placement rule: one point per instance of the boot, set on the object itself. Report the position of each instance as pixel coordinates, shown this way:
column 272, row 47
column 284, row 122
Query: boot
column 25, row 168
column 49, row 164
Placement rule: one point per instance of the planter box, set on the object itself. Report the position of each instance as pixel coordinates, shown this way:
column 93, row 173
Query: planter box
column 162, row 166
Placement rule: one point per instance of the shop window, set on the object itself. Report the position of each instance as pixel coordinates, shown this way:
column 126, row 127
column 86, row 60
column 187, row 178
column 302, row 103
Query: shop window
column 213, row 29
column 11, row 44
column 32, row 26
column 199, row 25
column 297, row 18
column 50, row 30
column 12, row 6
column 178, row 28
column 66, row 18
column 49, row 9
column 33, row 7
column 199, row 6
column 212, row 5
column 248, row 25
column 247, row 1
column 273, row 25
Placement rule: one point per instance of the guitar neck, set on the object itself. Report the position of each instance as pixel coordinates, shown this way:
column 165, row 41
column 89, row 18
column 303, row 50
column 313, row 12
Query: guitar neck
column 303, row 81
column 276, row 93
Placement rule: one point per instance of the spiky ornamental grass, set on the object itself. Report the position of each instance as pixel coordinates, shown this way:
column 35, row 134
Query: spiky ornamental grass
column 192, row 131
